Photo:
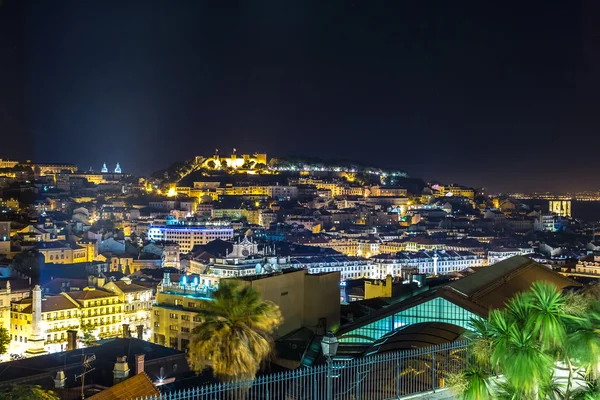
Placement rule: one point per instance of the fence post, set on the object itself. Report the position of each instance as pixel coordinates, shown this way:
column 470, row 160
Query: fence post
column 398, row 378
column 433, row 370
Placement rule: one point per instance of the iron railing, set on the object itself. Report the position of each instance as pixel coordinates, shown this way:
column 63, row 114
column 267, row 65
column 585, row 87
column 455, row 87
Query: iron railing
column 378, row 377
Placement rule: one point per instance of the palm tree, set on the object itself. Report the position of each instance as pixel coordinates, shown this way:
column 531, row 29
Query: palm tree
column 235, row 336
column 523, row 343
column 546, row 314
column 583, row 344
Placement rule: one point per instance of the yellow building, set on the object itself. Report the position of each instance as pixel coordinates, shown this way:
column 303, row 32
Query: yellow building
column 562, row 208
column 40, row 325
column 91, row 178
column 310, row 300
column 5, row 299
column 137, row 302
column 100, row 308
column 10, row 204
column 121, row 264
column 7, row 163
column 60, row 252
column 174, row 315
column 392, row 247
column 379, row 289
column 456, row 190
column 91, row 248
column 58, row 315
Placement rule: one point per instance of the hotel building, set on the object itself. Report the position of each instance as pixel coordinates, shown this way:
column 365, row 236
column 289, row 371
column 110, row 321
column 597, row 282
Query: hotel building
column 188, row 236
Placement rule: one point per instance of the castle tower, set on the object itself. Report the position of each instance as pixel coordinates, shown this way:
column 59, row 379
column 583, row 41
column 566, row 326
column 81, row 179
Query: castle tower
column 118, row 169
column 104, row 169
column 435, row 263
column 233, row 160
column 36, row 340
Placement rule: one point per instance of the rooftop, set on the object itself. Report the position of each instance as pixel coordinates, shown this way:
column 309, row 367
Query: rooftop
column 488, row 288
column 91, row 293
column 138, row 386
column 128, row 287
column 49, row 304
column 494, row 285
column 42, row 369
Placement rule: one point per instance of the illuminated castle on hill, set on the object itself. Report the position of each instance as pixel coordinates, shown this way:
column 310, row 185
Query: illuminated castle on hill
column 235, row 161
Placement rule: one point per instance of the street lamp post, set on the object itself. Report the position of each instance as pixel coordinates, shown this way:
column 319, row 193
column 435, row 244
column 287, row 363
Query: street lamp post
column 329, row 346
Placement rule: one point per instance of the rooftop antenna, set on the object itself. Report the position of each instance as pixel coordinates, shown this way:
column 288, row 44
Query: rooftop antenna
column 86, row 368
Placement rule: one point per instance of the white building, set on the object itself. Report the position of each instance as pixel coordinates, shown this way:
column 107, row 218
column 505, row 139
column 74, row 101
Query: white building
column 188, row 236
column 378, row 267
column 502, row 253
column 425, row 262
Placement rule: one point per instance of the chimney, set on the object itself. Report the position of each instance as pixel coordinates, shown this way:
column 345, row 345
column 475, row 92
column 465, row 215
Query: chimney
column 140, row 332
column 60, row 379
column 121, row 370
column 71, row 339
column 125, row 330
column 139, row 363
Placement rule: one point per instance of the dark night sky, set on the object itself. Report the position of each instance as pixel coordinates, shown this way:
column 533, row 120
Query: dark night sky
column 475, row 93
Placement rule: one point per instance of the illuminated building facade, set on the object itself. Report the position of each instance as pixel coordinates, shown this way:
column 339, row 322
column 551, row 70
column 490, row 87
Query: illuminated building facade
column 42, row 169
column 7, row 163
column 137, row 304
column 188, row 236
column 101, row 309
column 60, row 252
column 235, row 161
column 303, row 299
column 455, row 190
column 562, row 208
column 39, row 325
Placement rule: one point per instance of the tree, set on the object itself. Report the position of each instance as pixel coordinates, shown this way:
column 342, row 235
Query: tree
column 28, row 392
column 88, row 333
column 526, row 342
column 4, row 340
column 235, row 336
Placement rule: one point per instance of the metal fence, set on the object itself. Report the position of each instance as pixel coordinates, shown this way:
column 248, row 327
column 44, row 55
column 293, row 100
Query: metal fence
column 378, row 377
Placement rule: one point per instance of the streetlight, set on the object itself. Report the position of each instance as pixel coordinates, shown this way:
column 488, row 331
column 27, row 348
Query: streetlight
column 329, row 346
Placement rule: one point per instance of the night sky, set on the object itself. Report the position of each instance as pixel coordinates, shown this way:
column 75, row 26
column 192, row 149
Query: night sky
column 474, row 93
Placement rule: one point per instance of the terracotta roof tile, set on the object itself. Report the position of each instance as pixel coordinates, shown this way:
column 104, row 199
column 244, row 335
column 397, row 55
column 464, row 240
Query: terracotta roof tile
column 136, row 387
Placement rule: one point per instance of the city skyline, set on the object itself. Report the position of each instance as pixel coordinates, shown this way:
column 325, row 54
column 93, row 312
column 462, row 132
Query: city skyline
column 490, row 96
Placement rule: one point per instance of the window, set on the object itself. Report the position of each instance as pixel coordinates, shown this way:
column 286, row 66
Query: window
column 185, row 317
column 174, row 328
column 197, row 318
column 185, row 329
column 156, row 324
column 173, row 316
